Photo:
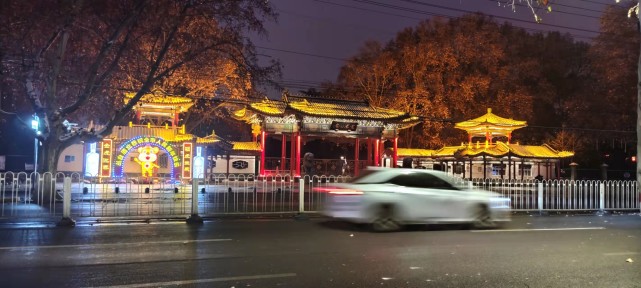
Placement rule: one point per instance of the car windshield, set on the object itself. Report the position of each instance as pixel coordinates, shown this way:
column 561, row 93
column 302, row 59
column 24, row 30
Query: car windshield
column 362, row 174
column 457, row 182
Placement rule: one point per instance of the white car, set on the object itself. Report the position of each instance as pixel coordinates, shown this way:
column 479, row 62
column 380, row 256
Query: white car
column 388, row 198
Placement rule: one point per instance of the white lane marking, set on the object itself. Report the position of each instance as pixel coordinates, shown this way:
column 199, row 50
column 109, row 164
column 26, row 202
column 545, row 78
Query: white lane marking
column 620, row 253
column 197, row 281
column 113, row 244
column 541, row 229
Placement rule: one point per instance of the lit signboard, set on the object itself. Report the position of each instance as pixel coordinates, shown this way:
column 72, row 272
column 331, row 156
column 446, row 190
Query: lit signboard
column 153, row 141
column 105, row 157
column 134, row 143
column 187, row 160
column 92, row 164
column 240, row 164
column 199, row 163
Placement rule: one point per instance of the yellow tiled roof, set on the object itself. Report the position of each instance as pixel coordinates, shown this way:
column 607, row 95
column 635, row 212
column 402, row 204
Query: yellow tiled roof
column 498, row 149
column 170, row 134
column 412, row 152
column 447, row 151
column 543, row 151
column 160, row 98
column 246, row 146
column 158, row 101
column 207, row 140
column 345, row 109
column 491, row 119
column 328, row 108
column 269, row 107
column 495, row 150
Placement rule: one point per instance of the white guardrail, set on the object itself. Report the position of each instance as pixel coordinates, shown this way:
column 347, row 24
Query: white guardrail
column 43, row 195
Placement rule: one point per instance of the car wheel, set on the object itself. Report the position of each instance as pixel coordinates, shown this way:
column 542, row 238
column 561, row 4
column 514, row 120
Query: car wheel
column 384, row 220
column 483, row 218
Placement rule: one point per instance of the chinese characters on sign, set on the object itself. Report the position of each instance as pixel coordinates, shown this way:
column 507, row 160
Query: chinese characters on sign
column 187, row 153
column 151, row 140
column 343, row 126
column 105, row 158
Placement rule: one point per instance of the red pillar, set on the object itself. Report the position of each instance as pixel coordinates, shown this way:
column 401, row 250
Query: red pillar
column 297, row 154
column 376, row 152
column 262, row 153
column 283, row 150
column 381, row 151
column 292, row 155
column 395, row 157
column 369, row 151
column 357, row 145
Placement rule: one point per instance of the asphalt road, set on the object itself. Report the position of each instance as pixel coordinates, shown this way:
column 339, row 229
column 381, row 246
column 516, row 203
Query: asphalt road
column 531, row 251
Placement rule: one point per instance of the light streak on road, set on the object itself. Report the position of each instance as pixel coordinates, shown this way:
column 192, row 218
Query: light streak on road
column 540, row 229
column 112, row 244
column 198, row 281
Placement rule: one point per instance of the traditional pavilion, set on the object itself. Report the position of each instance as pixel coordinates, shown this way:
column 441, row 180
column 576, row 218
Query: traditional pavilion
column 298, row 118
column 156, row 145
column 487, row 158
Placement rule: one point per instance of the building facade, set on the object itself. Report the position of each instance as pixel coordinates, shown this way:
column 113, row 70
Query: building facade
column 484, row 156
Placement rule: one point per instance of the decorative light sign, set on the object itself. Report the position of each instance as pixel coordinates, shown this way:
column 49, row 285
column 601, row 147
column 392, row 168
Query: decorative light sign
column 187, row 163
column 134, row 143
column 199, row 163
column 92, row 164
column 105, row 157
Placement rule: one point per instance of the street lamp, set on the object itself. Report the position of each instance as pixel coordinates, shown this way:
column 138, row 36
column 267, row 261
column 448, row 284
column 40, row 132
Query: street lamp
column 35, row 124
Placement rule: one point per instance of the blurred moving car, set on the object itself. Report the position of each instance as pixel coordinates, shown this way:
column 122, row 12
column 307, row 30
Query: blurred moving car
column 389, row 198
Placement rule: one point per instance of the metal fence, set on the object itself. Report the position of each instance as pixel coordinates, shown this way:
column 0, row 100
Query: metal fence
column 33, row 196
column 565, row 195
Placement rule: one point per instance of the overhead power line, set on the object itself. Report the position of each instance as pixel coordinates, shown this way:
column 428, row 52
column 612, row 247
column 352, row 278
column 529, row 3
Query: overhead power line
column 401, row 8
column 302, row 53
column 557, row 4
column 576, row 36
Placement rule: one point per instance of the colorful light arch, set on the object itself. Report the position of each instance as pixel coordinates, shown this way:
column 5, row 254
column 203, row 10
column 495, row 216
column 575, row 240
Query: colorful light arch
column 136, row 142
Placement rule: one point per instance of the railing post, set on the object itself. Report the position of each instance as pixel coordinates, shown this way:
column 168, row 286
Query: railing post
column 301, row 199
column 66, row 220
column 194, row 218
column 540, row 196
column 601, row 198
column 301, row 195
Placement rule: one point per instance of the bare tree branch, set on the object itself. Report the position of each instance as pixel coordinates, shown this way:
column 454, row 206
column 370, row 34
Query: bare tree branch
column 93, row 81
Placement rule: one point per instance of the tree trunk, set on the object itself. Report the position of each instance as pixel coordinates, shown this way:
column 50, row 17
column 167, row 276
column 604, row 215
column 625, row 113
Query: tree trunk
column 51, row 149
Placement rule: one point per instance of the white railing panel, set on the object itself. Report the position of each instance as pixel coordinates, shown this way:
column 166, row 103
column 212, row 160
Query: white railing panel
column 25, row 195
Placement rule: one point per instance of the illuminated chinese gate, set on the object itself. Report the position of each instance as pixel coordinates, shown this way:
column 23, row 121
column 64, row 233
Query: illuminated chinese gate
column 297, row 118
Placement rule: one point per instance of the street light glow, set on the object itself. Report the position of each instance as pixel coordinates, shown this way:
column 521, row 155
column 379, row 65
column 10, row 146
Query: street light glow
column 34, row 123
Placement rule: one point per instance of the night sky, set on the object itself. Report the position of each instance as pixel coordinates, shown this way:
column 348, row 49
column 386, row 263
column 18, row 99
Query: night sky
column 313, row 38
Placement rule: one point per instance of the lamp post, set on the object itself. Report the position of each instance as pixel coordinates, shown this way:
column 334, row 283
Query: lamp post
column 35, row 123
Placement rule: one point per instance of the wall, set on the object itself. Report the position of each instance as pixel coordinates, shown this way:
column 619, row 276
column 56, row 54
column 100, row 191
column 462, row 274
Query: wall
column 477, row 168
column 75, row 159
column 221, row 165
